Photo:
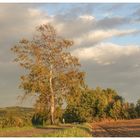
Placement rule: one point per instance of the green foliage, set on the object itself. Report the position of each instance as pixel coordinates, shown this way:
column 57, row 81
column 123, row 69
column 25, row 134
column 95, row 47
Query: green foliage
column 138, row 108
column 72, row 114
column 132, row 111
column 99, row 104
column 115, row 111
column 79, row 109
column 37, row 120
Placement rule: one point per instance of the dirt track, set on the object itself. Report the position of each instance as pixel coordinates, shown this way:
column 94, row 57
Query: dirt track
column 123, row 128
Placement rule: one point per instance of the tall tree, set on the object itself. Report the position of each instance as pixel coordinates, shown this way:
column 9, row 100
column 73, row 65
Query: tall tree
column 51, row 70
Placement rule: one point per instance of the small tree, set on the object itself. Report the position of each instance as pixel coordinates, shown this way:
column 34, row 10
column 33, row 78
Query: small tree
column 138, row 108
column 132, row 111
column 81, row 108
column 115, row 112
column 51, row 70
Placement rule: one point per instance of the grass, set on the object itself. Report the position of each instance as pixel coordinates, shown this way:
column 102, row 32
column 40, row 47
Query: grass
column 83, row 130
column 7, row 129
column 62, row 130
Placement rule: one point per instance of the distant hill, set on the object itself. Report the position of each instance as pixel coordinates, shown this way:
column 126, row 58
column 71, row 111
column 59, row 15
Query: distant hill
column 16, row 110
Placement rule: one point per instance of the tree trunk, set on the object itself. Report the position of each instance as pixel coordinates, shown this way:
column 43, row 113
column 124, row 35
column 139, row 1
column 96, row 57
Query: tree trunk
column 52, row 107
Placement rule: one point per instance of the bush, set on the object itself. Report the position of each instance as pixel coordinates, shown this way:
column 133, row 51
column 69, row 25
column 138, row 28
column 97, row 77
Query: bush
column 37, row 119
column 12, row 122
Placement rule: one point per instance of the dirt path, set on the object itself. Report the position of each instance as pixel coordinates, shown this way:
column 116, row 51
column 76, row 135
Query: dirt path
column 31, row 132
column 25, row 133
column 123, row 128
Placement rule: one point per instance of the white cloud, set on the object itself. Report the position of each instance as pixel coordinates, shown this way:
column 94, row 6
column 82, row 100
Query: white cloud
column 87, row 17
column 93, row 37
column 34, row 12
column 106, row 53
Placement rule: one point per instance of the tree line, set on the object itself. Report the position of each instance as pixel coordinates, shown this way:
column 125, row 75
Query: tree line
column 98, row 104
column 54, row 78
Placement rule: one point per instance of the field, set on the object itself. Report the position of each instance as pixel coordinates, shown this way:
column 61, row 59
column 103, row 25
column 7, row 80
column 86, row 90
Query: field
column 119, row 128
column 122, row 128
column 66, row 130
column 16, row 122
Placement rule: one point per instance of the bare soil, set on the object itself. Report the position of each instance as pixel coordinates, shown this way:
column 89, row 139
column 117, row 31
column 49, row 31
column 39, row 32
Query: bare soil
column 119, row 128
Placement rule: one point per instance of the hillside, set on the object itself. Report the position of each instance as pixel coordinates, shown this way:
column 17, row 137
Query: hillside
column 11, row 116
column 16, row 110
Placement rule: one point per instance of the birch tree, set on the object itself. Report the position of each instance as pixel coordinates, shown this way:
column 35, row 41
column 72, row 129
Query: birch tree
column 51, row 71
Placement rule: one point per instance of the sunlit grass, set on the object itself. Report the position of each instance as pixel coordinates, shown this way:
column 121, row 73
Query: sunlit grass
column 62, row 130
column 74, row 131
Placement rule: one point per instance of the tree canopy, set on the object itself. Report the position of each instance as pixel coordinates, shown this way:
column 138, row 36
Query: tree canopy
column 52, row 72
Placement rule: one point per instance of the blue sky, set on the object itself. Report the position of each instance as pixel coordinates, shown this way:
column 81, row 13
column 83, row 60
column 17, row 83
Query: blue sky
column 106, row 40
column 100, row 11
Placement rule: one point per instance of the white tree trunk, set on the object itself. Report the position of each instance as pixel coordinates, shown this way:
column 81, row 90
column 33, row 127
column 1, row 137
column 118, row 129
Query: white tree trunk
column 52, row 108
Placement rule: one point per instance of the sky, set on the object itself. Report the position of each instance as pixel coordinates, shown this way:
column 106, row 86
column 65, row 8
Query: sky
column 106, row 40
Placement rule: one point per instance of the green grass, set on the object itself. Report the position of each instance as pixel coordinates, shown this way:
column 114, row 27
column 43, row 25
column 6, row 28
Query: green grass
column 74, row 131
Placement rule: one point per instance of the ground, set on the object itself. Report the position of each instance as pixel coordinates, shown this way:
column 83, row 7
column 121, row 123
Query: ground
column 121, row 128
column 30, row 131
